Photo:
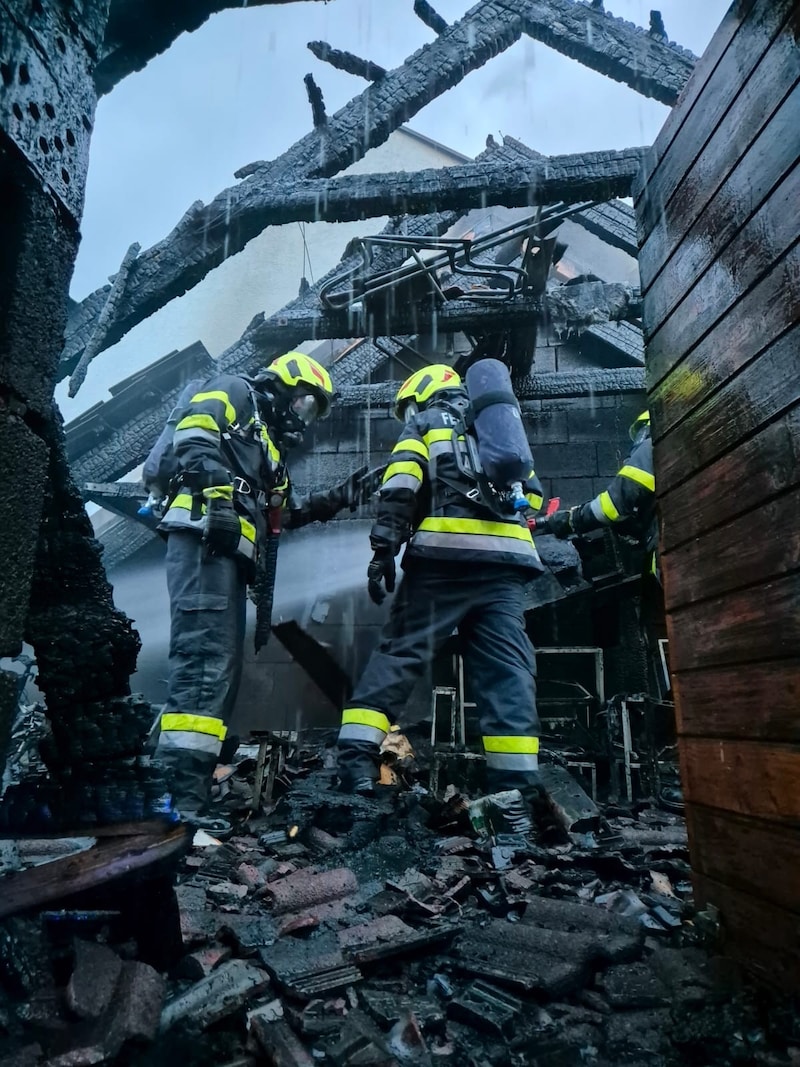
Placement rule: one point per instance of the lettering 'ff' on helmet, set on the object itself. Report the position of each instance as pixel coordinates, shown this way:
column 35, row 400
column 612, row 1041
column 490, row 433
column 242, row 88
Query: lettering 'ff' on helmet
column 423, row 385
column 295, row 369
column 639, row 424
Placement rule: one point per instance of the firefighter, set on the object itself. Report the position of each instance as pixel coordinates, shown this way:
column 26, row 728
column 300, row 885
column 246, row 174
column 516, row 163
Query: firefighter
column 629, row 501
column 230, row 449
column 465, row 568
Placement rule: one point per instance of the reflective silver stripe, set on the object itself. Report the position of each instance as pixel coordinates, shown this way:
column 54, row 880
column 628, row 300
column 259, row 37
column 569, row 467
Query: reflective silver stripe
column 476, row 543
column 191, row 740
column 194, row 433
column 402, row 481
column 353, row 731
column 180, row 518
column 246, row 548
column 438, row 448
column 512, row 761
column 598, row 512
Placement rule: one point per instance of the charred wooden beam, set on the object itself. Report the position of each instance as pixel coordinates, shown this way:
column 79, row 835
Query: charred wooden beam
column 180, row 261
column 315, row 98
column 430, row 17
column 614, row 223
column 551, row 385
column 346, row 61
column 573, row 306
column 139, row 30
column 648, row 63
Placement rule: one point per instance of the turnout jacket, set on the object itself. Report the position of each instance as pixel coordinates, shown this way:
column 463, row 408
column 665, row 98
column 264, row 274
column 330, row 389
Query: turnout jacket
column 225, row 449
column 629, row 500
column 423, row 499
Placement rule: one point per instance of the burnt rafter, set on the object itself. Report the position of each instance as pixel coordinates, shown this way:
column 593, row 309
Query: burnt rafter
column 139, row 30
column 429, row 16
column 177, row 263
column 346, row 61
column 574, row 306
column 647, row 62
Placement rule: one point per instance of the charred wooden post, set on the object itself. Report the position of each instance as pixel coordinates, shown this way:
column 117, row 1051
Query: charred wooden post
column 315, row 98
column 423, row 10
column 346, row 61
column 657, row 27
column 53, row 587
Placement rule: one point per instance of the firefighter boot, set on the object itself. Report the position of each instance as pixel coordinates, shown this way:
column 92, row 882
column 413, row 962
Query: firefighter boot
column 189, row 775
column 358, row 767
column 530, row 786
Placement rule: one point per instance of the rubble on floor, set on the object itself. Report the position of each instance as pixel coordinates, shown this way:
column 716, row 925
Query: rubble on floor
column 401, row 930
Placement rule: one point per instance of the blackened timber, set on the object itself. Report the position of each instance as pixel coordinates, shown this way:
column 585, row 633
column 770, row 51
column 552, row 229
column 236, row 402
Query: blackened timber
column 549, row 385
column 163, row 272
column 580, row 305
column 621, row 50
column 315, row 98
column 430, row 17
column 346, row 61
column 614, row 223
column 139, row 30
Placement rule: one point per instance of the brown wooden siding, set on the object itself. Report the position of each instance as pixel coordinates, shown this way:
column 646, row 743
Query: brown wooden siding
column 718, row 210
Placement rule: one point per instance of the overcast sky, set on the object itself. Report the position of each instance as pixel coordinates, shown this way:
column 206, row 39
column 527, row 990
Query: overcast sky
column 233, row 92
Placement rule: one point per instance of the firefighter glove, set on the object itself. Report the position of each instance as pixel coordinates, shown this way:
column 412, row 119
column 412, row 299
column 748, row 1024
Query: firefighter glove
column 559, row 524
column 359, row 487
column 221, row 528
column 381, row 569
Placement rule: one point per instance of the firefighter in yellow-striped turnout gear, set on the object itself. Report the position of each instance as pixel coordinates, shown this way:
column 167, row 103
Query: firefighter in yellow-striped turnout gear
column 627, row 503
column 466, row 568
column 232, row 486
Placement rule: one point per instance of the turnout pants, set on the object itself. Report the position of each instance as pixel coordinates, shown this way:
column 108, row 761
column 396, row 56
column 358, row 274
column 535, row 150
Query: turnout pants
column 207, row 617
column 486, row 606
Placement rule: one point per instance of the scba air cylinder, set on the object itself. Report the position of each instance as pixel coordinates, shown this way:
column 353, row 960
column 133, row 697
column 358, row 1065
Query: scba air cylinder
column 503, row 447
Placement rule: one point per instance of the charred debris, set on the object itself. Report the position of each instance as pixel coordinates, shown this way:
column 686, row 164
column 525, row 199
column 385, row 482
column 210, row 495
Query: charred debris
column 415, row 928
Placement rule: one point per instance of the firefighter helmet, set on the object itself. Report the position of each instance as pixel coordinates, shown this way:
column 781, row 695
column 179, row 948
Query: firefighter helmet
column 301, row 375
column 423, row 385
column 639, row 424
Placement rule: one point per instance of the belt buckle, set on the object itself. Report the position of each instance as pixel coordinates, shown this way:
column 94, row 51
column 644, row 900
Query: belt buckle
column 241, row 486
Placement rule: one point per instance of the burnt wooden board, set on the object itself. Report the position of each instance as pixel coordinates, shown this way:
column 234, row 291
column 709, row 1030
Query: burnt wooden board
column 760, row 702
column 704, row 215
column 698, row 113
column 111, row 858
column 746, row 626
column 736, row 554
column 764, row 938
column 766, row 312
column 737, row 483
column 768, row 235
column 755, row 778
column 751, row 855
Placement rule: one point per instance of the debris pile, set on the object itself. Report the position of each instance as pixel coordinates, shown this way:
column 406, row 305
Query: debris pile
column 408, row 929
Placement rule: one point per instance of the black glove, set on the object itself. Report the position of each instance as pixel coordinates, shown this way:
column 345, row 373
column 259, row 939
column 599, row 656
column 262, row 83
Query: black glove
column 359, row 487
column 381, row 569
column 559, row 524
column 221, row 528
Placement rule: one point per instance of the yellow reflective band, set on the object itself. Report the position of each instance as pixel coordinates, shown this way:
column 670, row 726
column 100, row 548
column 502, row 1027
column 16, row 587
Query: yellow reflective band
column 230, row 410
column 274, row 454
column 529, row 746
column 365, row 717
column 535, row 500
column 407, row 467
column 198, row 422
column 475, row 526
column 640, row 476
column 184, row 500
column 607, row 506
column 411, row 444
column 195, row 724
column 219, row 492
column 248, row 530
column 432, row 436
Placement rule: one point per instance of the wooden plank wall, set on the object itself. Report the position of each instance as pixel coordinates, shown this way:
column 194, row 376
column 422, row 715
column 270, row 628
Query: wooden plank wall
column 718, row 211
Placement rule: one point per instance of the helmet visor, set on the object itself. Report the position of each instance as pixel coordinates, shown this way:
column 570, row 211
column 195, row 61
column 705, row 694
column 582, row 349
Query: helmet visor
column 305, row 407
